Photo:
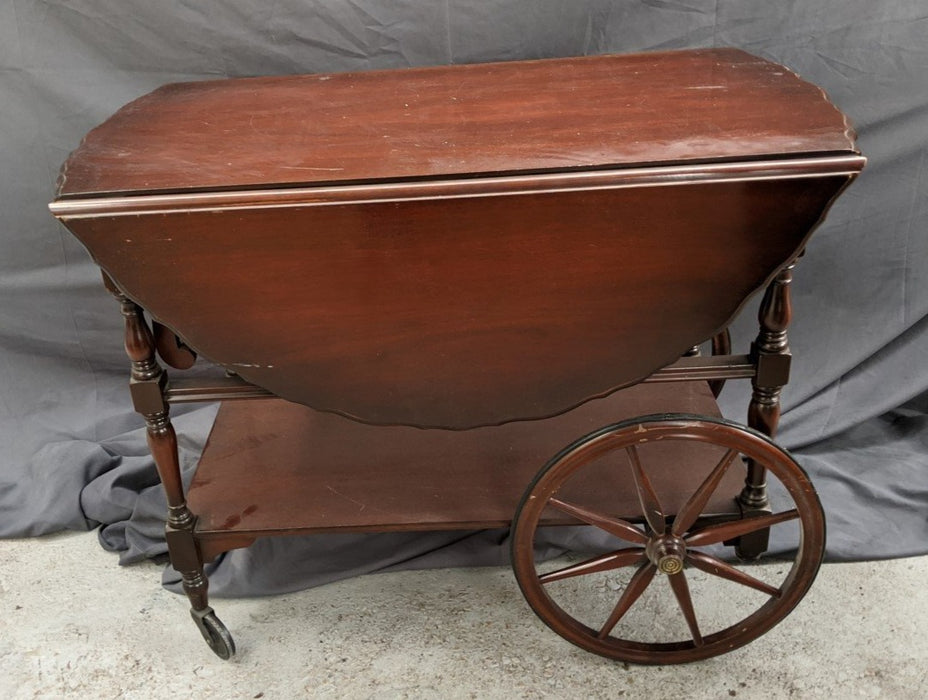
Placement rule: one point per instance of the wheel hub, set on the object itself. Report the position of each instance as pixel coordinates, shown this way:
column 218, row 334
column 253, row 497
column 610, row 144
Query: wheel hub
column 667, row 553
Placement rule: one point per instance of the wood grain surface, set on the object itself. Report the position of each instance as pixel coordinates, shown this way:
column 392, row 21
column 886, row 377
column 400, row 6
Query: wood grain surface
column 530, row 116
column 459, row 312
column 273, row 467
column 496, row 258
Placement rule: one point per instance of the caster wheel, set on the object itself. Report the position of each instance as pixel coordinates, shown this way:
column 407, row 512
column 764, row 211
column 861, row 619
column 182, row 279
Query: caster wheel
column 616, row 604
column 214, row 632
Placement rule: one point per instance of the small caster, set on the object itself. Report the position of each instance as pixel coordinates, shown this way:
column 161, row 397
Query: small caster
column 214, row 632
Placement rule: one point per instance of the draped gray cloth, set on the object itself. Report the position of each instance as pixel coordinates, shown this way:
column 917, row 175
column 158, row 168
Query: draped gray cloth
column 73, row 454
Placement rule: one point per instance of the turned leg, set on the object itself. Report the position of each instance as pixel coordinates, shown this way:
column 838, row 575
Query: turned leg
column 771, row 354
column 146, row 385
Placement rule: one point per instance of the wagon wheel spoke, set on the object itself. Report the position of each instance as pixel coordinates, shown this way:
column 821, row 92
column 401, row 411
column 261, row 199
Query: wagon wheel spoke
column 614, row 526
column 673, row 542
column 697, row 502
column 604, row 562
column 736, row 528
column 650, row 504
column 682, row 592
column 639, row 582
column 717, row 567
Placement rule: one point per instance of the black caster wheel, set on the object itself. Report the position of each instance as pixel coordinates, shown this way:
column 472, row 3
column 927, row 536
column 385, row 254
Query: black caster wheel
column 214, row 632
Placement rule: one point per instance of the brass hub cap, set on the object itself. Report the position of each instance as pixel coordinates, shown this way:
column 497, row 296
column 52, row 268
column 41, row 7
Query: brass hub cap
column 667, row 553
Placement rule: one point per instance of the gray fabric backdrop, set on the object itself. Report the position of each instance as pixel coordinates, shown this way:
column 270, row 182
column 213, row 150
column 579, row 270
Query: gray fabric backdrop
column 71, row 452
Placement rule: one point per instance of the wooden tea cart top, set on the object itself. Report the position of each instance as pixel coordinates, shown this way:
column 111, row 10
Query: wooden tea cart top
column 445, row 122
column 465, row 245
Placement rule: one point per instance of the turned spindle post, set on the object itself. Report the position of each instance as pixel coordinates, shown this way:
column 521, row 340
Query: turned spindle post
column 771, row 354
column 146, row 386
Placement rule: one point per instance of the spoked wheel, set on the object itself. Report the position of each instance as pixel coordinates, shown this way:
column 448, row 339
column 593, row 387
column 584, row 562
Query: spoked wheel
column 616, row 604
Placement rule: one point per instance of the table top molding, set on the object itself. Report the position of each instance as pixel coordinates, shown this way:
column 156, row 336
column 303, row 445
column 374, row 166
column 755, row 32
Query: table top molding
column 751, row 171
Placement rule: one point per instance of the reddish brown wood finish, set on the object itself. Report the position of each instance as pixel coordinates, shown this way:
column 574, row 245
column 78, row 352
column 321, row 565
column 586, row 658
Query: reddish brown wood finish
column 671, row 545
column 463, row 247
column 171, row 349
column 447, row 297
column 147, row 386
column 459, row 312
column 276, row 467
column 549, row 115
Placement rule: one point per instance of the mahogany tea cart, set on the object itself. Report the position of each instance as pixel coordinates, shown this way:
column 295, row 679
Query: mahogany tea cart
column 423, row 283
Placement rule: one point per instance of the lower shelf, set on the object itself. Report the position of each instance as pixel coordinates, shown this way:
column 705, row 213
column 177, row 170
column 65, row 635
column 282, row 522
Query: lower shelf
column 271, row 467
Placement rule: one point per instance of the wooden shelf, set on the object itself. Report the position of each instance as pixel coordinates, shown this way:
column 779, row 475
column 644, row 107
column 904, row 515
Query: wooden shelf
column 273, row 467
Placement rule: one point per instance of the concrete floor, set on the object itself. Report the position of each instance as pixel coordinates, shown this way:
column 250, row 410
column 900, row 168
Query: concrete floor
column 75, row 624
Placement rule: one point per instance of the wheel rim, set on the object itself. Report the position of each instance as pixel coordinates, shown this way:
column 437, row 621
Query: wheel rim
column 665, row 545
